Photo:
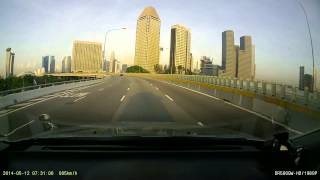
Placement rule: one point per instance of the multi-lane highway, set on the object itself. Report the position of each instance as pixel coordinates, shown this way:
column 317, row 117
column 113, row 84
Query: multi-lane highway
column 130, row 100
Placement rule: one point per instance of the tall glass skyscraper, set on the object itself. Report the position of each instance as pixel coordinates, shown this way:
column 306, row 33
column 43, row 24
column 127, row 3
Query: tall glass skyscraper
column 147, row 49
column 45, row 63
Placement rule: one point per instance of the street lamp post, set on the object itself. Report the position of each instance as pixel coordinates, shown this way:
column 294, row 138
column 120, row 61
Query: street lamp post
column 105, row 39
column 313, row 72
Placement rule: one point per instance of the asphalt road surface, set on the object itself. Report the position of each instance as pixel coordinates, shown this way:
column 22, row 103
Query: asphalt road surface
column 130, row 100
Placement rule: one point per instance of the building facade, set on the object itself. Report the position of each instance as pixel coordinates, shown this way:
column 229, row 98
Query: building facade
column 52, row 64
column 245, row 62
column 147, row 47
column 9, row 62
column 308, row 82
column 301, row 77
column 66, row 64
column 87, row 57
column 45, row 63
column 180, row 59
column 228, row 54
column 237, row 61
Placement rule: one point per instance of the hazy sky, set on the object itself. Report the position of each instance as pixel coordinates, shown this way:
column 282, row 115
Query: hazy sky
column 34, row 28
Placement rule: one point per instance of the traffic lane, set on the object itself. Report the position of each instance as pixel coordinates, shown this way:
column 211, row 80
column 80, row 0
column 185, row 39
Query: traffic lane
column 217, row 114
column 53, row 106
column 144, row 103
column 97, row 107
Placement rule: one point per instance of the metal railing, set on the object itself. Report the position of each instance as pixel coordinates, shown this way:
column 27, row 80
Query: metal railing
column 28, row 88
column 280, row 91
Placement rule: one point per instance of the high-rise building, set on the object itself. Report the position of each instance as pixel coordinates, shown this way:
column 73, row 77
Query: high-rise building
column 228, row 53
column 246, row 64
column 52, row 64
column 301, row 77
column 9, row 62
column 180, row 49
column 147, row 48
column 124, row 68
column 45, row 63
column 308, row 82
column 66, row 64
column 237, row 61
column 87, row 56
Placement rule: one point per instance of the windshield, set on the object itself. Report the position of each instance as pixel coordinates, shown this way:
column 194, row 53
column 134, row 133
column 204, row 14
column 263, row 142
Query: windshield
column 246, row 69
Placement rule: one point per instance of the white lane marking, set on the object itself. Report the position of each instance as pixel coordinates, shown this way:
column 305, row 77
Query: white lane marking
column 20, row 127
column 101, row 89
column 2, row 115
column 122, row 98
column 19, row 105
column 4, row 111
column 79, row 98
column 128, row 89
column 168, row 97
column 252, row 112
column 37, row 99
column 200, row 124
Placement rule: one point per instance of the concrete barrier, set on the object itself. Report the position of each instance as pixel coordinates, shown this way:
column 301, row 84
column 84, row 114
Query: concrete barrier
column 27, row 95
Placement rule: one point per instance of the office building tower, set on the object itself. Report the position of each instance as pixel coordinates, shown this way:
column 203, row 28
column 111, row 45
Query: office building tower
column 9, row 62
column 87, row 56
column 180, row 49
column 45, row 63
column 147, row 48
column 52, row 64
column 245, row 61
column 308, row 82
column 66, row 64
column 228, row 53
column 124, row 68
column 301, row 77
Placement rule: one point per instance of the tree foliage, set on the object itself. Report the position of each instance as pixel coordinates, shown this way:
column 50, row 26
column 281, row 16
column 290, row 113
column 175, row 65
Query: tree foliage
column 136, row 69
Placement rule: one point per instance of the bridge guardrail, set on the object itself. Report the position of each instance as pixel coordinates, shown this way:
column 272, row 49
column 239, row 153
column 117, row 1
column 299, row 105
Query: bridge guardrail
column 270, row 89
column 28, row 88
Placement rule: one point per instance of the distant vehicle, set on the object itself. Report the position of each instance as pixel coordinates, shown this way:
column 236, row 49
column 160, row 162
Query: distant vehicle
column 121, row 74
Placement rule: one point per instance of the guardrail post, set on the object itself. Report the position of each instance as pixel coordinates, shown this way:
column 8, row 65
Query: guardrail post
column 241, row 84
column 282, row 91
column 273, row 89
column 306, row 95
column 264, row 88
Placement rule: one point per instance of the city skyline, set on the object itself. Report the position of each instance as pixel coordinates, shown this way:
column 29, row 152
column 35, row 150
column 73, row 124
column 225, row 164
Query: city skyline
column 287, row 55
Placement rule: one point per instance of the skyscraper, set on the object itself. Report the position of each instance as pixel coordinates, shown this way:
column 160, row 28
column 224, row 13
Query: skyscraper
column 246, row 64
column 87, row 56
column 147, row 48
column 228, row 53
column 45, row 63
column 52, row 64
column 9, row 62
column 308, row 82
column 301, row 77
column 180, row 49
column 66, row 64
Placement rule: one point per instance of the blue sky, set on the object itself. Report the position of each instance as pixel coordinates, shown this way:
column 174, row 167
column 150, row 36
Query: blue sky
column 34, row 28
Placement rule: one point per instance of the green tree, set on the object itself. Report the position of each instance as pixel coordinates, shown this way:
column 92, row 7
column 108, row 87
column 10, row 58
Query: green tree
column 136, row 69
